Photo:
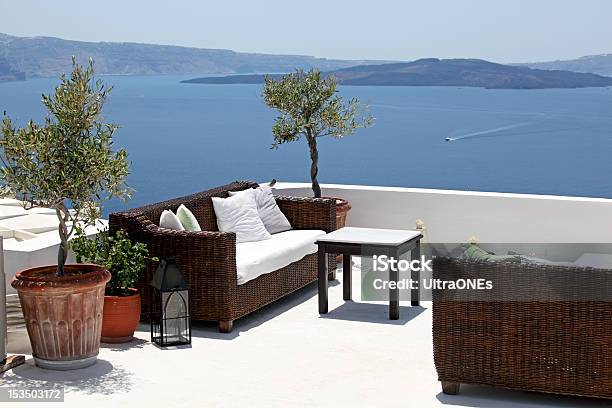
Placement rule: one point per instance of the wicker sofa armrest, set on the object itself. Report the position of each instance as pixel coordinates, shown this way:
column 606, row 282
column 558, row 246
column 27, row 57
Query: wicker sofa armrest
column 207, row 259
column 545, row 324
column 309, row 213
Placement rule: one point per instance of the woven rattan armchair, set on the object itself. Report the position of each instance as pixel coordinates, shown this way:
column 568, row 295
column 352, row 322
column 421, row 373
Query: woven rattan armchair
column 208, row 258
column 551, row 332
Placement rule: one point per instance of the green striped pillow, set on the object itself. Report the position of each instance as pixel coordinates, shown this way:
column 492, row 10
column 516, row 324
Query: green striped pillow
column 189, row 221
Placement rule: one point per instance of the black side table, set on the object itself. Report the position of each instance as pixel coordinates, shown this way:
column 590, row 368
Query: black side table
column 368, row 241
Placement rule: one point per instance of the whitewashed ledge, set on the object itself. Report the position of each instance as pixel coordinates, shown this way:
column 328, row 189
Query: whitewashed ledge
column 455, row 216
column 559, row 228
column 29, row 238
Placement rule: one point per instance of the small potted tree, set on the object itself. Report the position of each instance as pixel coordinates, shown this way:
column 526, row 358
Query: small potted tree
column 309, row 106
column 125, row 260
column 68, row 161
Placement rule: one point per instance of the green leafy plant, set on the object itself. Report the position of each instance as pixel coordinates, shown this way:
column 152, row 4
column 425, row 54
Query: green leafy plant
column 309, row 106
column 69, row 161
column 124, row 258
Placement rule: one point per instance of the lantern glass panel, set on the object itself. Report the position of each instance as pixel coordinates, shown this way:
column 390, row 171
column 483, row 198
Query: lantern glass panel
column 175, row 317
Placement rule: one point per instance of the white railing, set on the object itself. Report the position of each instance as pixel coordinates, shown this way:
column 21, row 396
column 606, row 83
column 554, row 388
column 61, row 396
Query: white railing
column 455, row 216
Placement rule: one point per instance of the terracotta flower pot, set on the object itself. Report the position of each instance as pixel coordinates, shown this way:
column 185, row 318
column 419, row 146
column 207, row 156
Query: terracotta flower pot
column 121, row 317
column 342, row 209
column 63, row 314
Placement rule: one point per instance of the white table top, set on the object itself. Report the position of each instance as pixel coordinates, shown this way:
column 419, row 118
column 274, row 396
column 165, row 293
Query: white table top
column 369, row 236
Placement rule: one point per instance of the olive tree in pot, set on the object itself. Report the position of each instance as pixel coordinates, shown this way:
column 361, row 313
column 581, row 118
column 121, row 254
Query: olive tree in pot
column 309, row 106
column 124, row 259
column 68, row 161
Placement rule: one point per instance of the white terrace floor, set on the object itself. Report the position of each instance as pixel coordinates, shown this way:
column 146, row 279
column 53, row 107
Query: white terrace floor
column 283, row 356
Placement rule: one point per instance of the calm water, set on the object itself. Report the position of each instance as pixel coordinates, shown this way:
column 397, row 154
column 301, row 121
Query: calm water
column 184, row 138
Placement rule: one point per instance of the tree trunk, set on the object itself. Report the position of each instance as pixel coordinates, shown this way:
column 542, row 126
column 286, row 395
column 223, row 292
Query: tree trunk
column 62, row 252
column 314, row 166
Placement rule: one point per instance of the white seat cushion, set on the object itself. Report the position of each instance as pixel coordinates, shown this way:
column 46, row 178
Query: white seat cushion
column 257, row 258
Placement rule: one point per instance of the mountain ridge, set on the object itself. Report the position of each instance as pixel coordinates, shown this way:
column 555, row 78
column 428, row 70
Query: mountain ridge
column 46, row 56
column 600, row 64
column 42, row 56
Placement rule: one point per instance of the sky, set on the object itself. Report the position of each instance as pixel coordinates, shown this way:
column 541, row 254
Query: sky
column 496, row 30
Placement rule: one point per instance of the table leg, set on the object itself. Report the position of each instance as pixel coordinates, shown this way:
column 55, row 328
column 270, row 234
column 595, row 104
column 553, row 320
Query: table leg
column 346, row 276
column 415, row 275
column 322, row 281
column 394, row 293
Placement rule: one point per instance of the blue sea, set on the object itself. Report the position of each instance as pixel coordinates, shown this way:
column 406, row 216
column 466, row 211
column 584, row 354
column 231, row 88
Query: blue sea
column 184, row 138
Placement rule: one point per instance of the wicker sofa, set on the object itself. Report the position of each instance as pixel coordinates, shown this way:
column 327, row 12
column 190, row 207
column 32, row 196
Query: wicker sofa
column 208, row 258
column 551, row 332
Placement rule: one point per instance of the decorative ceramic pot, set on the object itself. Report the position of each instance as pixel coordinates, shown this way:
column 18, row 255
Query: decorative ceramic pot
column 63, row 314
column 121, row 317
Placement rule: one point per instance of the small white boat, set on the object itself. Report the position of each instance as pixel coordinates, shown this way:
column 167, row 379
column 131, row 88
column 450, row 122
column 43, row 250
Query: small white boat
column 449, row 139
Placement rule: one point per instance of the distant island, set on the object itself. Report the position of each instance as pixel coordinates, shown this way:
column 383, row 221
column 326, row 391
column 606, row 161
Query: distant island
column 49, row 57
column 443, row 72
column 595, row 64
column 7, row 73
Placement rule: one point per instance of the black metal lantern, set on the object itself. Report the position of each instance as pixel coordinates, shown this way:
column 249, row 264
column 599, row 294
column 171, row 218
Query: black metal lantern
column 170, row 317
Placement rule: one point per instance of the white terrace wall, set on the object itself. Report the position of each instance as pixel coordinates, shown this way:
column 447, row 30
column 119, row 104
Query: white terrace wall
column 454, row 216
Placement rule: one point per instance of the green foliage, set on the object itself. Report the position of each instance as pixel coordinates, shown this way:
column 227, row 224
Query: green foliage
column 122, row 257
column 309, row 106
column 308, row 103
column 69, row 160
column 6, row 192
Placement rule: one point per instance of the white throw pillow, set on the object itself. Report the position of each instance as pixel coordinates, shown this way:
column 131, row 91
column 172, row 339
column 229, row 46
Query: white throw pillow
column 272, row 217
column 188, row 220
column 169, row 220
column 239, row 214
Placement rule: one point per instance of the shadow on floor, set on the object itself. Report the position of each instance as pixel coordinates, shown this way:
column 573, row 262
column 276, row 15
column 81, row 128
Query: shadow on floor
column 135, row 343
column 211, row 329
column 489, row 397
column 372, row 313
column 101, row 378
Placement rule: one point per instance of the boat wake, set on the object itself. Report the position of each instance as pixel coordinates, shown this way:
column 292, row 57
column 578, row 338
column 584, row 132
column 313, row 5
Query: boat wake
column 488, row 131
